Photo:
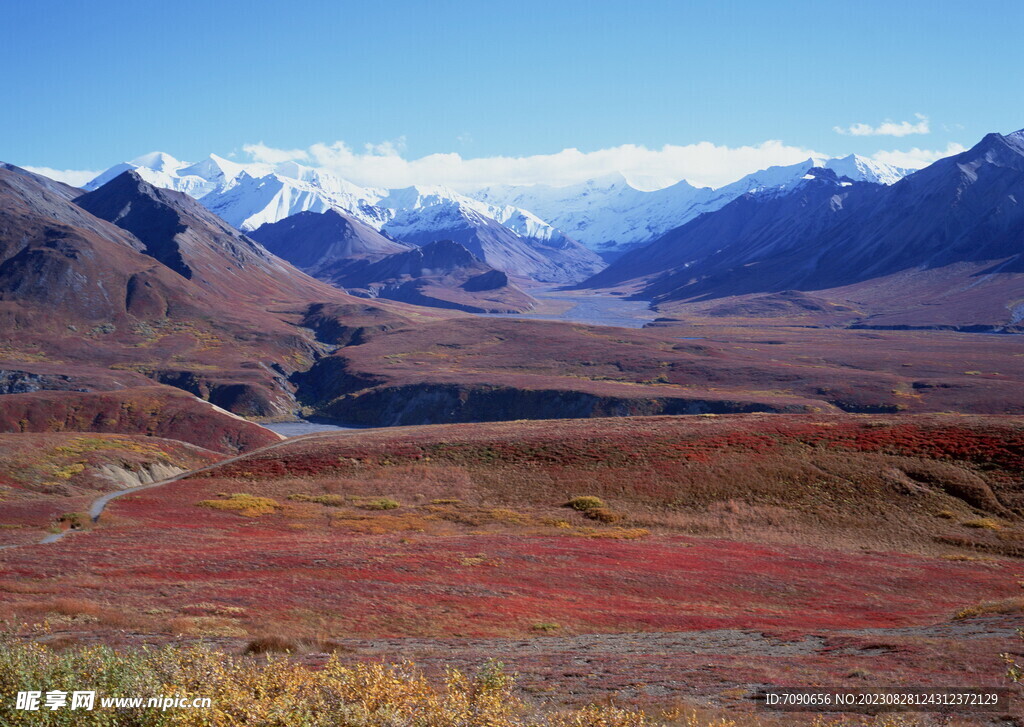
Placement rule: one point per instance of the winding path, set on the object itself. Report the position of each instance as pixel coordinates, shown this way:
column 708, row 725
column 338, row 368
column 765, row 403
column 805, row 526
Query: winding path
column 97, row 506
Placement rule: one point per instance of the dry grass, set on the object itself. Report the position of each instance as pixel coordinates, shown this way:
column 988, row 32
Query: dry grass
column 380, row 524
column 603, row 514
column 992, row 608
column 329, row 499
column 983, row 523
column 79, row 611
column 207, row 626
column 613, row 533
column 272, row 645
column 280, row 692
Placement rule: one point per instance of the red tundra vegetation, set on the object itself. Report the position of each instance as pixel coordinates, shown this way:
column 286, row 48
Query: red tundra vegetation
column 732, row 551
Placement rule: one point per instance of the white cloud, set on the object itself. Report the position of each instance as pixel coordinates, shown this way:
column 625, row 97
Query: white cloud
column 887, row 128
column 917, row 158
column 74, row 177
column 383, row 165
column 268, row 155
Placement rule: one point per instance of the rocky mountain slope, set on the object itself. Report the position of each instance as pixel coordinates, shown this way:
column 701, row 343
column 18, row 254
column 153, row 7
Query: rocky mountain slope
column 441, row 274
column 162, row 291
column 344, row 252
column 315, row 240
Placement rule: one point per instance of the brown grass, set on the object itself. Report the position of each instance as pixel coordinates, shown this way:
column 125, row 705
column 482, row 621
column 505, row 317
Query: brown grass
column 983, row 523
column 990, row 608
column 603, row 514
column 79, row 610
column 272, row 645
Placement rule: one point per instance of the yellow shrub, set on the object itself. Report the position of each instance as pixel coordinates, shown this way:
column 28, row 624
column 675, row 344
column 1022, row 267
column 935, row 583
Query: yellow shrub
column 278, row 692
column 245, row 505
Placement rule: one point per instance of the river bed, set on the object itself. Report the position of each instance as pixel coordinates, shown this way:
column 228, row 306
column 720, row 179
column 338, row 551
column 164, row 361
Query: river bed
column 305, row 426
column 585, row 307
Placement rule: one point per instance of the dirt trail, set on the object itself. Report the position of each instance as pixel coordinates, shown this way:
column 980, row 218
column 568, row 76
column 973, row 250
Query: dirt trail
column 97, row 506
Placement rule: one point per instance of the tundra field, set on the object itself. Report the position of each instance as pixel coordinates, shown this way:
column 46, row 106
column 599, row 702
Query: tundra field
column 661, row 563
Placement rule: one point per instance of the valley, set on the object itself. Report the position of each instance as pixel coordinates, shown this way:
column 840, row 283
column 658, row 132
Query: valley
column 268, row 410
column 593, row 309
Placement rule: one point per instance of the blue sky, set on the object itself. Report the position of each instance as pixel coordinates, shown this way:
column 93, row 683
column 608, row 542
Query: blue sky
column 89, row 84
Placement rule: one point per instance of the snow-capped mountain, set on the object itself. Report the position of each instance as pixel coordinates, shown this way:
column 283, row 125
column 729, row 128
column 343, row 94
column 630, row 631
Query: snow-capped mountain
column 942, row 246
column 248, row 196
column 608, row 215
column 412, row 209
column 533, row 231
column 506, row 238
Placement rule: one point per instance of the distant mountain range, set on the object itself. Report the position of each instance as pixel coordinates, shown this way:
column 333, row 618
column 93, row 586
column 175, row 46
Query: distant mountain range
column 942, row 246
column 610, row 216
column 247, row 196
column 528, row 231
column 936, row 247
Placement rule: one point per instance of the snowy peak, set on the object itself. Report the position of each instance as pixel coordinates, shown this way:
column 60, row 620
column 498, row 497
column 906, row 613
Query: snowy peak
column 250, row 195
column 862, row 169
column 607, row 214
column 412, row 205
column 420, row 196
column 603, row 213
column 158, row 161
column 212, row 168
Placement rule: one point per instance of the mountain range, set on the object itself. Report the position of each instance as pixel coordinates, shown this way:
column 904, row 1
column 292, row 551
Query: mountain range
column 610, row 216
column 542, row 224
column 942, row 246
column 869, row 233
column 249, row 196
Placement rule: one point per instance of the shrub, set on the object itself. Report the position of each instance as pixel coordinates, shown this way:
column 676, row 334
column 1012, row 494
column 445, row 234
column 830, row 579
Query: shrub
column 382, row 503
column 244, row 504
column 74, row 520
column 547, row 628
column 329, row 500
column 585, row 503
column 613, row 533
column 1014, row 671
column 602, row 514
column 278, row 692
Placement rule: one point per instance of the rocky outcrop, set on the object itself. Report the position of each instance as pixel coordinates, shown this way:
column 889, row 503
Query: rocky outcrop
column 25, row 382
column 448, row 403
